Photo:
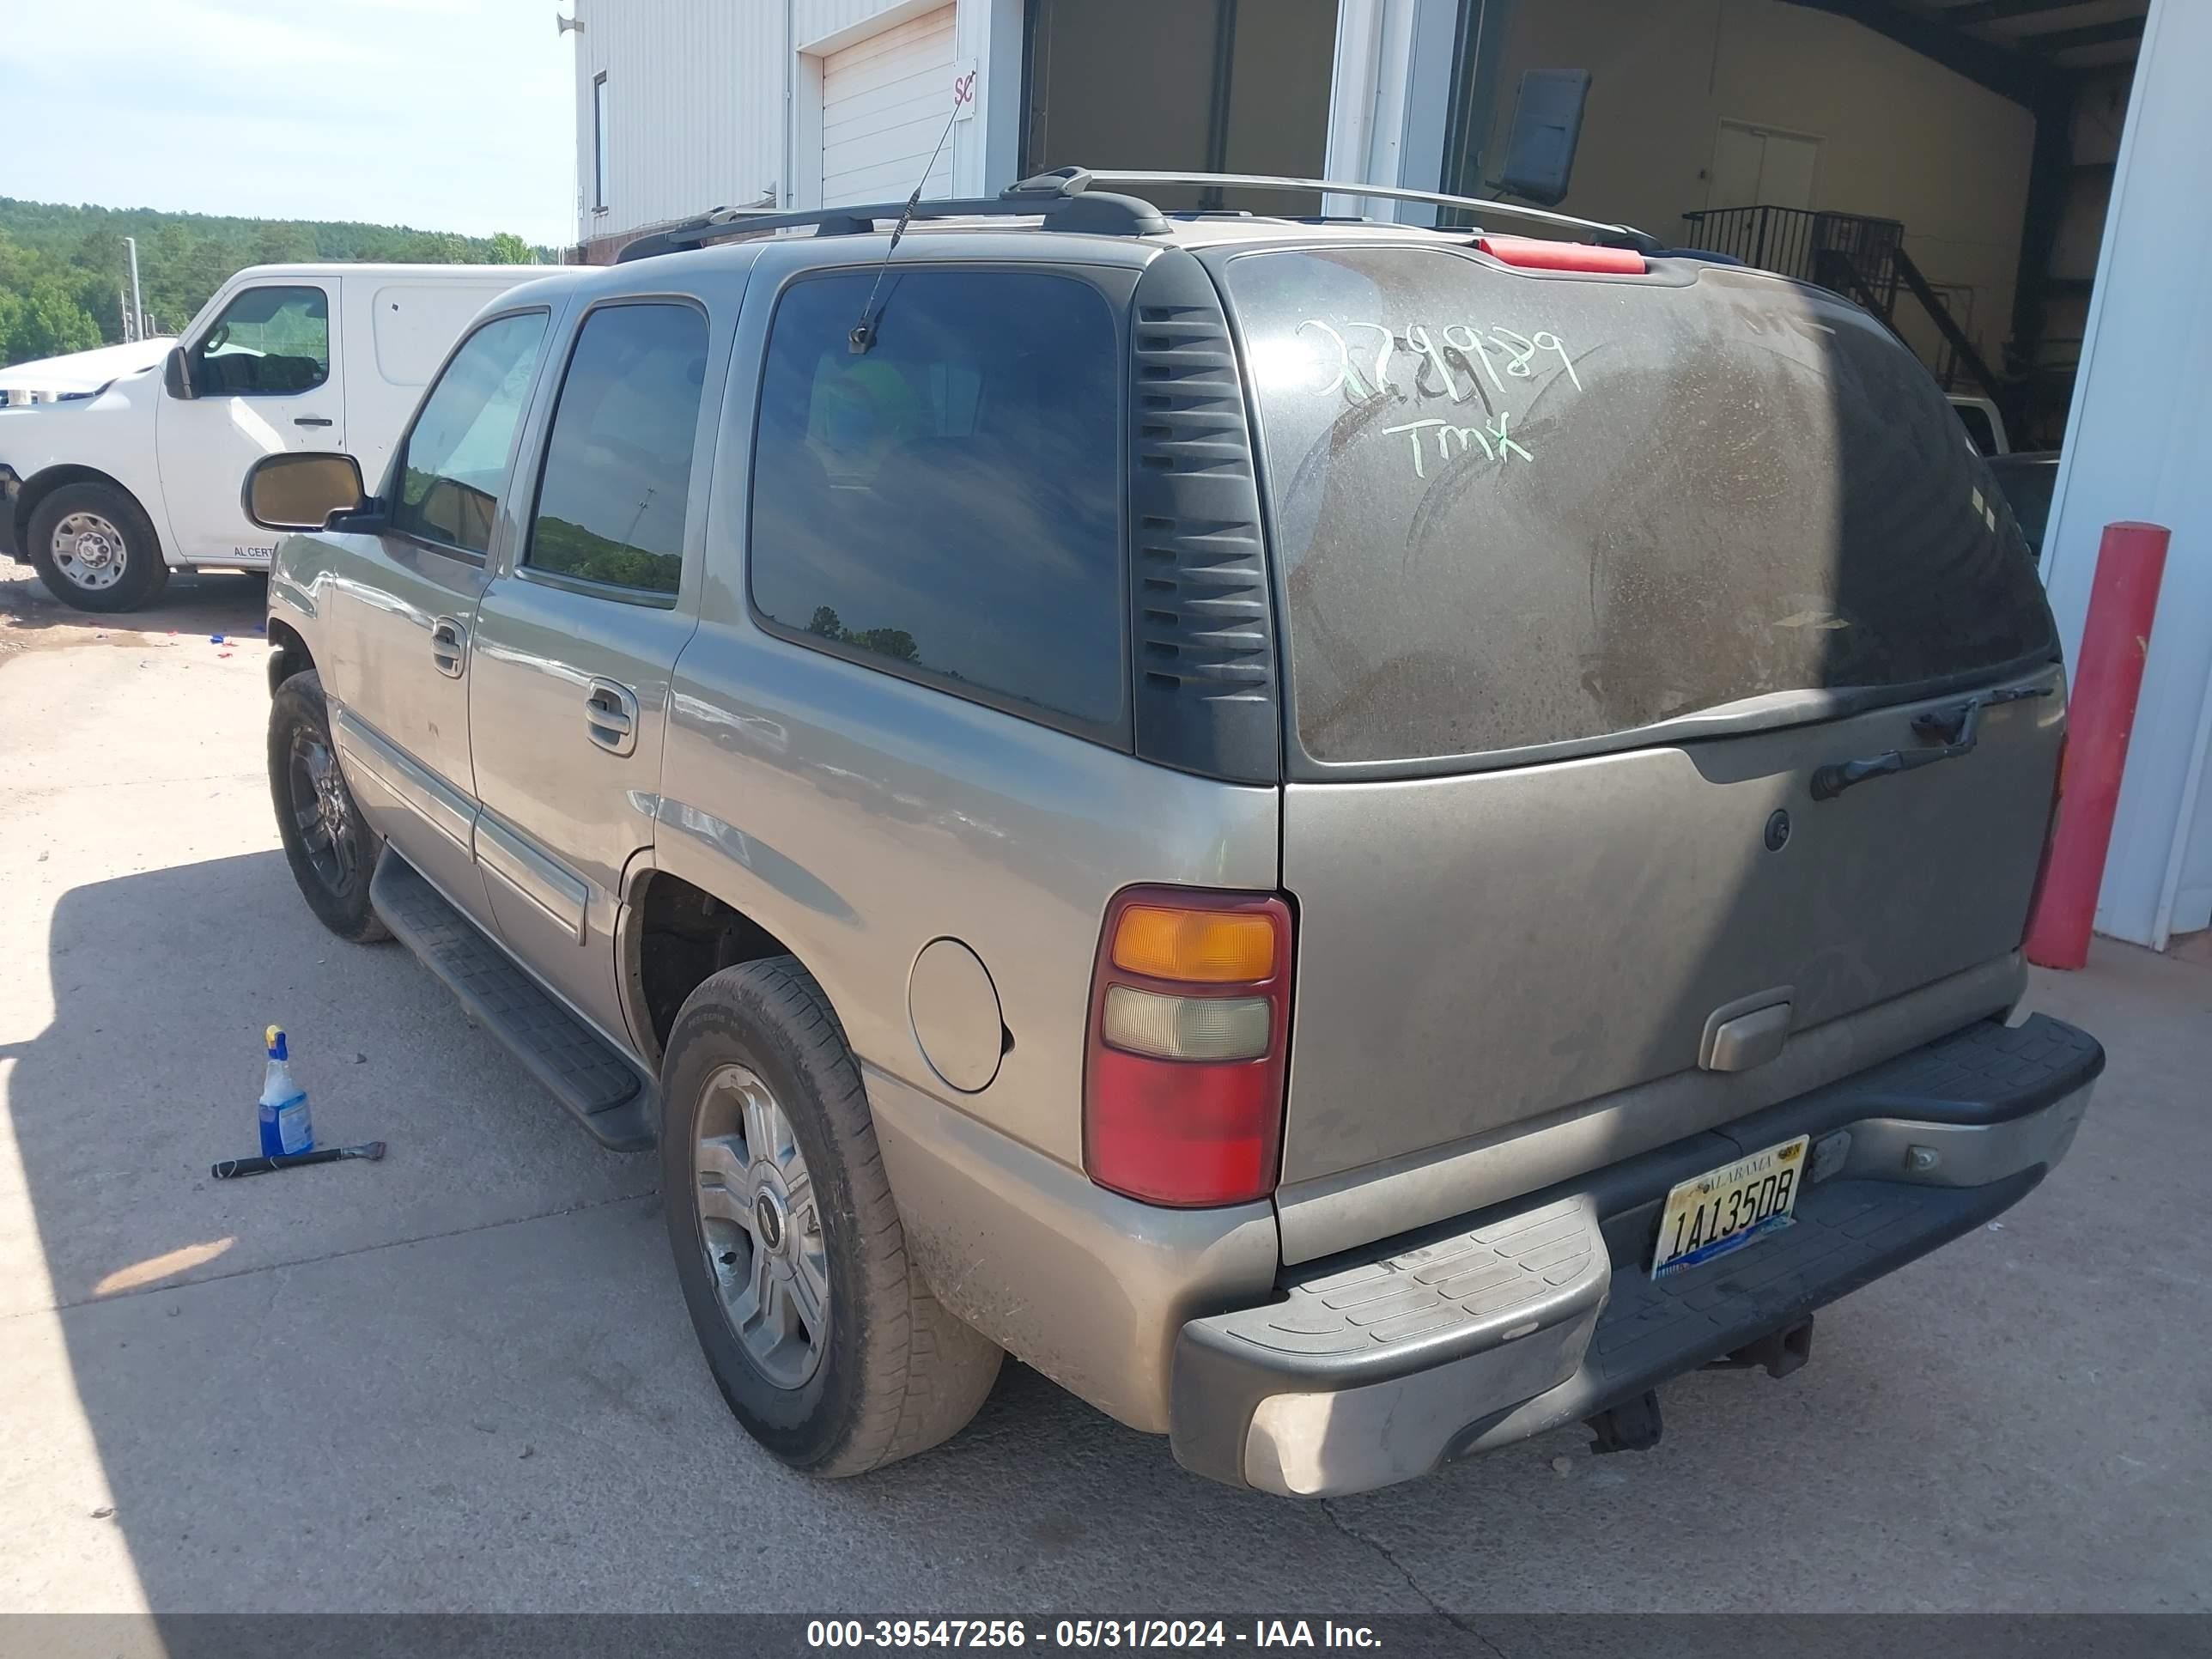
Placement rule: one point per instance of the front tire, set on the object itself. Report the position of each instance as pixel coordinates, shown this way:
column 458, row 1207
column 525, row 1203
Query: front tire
column 819, row 1331
column 330, row 848
column 96, row 549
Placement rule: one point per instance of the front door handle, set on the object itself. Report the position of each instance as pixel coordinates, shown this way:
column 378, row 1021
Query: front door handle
column 311, row 420
column 610, row 716
column 449, row 646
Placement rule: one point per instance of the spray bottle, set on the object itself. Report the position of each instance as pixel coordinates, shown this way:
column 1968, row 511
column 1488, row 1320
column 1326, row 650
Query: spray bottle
column 284, row 1127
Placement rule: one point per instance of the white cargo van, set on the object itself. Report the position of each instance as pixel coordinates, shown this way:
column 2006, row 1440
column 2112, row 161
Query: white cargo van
column 105, row 493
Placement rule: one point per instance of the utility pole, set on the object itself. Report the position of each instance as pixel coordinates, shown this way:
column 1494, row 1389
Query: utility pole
column 138, row 305
column 123, row 310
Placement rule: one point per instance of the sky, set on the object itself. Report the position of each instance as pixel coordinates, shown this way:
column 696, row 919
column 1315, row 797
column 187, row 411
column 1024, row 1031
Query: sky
column 441, row 114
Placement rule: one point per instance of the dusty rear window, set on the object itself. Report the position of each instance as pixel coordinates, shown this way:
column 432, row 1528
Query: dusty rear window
column 1513, row 511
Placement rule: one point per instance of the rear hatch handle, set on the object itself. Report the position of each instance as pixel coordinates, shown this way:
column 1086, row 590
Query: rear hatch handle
column 1959, row 727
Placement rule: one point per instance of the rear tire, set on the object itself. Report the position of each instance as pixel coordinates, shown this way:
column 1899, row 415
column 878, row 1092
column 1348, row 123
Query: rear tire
column 330, row 848
column 96, row 549
column 770, row 1176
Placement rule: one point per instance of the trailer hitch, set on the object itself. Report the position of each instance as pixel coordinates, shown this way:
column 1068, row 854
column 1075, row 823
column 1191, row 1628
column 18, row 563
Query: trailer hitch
column 1779, row 1352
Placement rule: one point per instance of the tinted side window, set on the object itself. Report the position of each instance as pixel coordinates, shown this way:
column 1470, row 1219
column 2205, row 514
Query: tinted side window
column 611, row 505
column 948, row 500
column 455, row 457
column 269, row 342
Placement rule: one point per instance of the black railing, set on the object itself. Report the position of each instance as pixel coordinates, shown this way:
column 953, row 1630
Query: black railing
column 1863, row 259
column 1799, row 242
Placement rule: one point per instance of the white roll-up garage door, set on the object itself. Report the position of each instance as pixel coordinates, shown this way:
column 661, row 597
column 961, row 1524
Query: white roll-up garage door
column 885, row 102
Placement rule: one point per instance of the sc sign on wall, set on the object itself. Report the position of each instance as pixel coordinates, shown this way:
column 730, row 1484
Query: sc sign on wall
column 885, row 101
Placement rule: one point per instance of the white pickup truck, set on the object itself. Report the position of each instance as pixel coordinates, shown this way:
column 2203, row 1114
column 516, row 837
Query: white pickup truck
column 105, row 491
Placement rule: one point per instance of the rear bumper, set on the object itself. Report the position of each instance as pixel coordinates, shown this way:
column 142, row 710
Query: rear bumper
column 1376, row 1366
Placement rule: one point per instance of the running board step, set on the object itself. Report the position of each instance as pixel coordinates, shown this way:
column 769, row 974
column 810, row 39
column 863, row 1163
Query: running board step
column 577, row 1067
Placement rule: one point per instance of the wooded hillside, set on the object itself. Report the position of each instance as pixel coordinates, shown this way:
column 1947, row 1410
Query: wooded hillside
column 62, row 268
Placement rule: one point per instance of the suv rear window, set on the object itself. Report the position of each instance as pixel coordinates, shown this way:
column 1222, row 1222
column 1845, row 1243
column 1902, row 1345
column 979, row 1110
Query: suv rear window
column 947, row 505
column 1513, row 511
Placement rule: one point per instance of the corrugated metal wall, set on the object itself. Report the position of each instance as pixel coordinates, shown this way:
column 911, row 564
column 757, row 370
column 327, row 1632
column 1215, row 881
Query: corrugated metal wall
column 696, row 101
column 694, row 108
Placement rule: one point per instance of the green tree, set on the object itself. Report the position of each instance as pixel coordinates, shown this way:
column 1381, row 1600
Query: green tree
column 183, row 257
column 283, row 245
column 437, row 248
column 43, row 322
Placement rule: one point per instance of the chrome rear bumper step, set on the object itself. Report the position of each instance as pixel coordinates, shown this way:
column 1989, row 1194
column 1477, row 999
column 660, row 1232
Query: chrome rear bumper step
column 1365, row 1370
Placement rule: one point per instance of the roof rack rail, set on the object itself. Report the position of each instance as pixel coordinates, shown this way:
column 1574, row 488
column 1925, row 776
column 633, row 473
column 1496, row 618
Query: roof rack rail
column 1624, row 236
column 1062, row 199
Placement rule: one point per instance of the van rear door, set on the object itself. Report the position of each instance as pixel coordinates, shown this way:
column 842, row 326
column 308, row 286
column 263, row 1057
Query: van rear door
column 1585, row 579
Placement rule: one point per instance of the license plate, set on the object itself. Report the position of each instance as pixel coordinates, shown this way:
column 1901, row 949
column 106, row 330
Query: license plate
column 1725, row 1209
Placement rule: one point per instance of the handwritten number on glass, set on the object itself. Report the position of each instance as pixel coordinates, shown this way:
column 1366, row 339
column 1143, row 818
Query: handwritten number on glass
column 1502, row 356
column 1360, row 379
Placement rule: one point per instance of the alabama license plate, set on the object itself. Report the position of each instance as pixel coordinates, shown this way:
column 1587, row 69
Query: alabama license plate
column 1725, row 1209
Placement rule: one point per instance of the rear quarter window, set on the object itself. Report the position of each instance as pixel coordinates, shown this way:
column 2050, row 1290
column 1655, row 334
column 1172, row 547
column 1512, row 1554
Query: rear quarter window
column 945, row 506
column 1513, row 511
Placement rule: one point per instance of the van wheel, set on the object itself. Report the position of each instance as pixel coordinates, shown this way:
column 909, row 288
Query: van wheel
column 95, row 548
column 825, row 1341
column 330, row 848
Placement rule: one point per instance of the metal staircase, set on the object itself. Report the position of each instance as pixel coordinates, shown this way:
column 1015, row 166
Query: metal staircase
column 1860, row 257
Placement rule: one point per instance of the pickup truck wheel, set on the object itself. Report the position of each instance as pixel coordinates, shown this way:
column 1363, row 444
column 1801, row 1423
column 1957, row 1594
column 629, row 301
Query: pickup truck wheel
column 330, row 846
column 96, row 549
column 824, row 1341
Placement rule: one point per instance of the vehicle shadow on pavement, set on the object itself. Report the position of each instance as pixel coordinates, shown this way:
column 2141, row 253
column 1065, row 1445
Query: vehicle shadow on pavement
column 463, row 1378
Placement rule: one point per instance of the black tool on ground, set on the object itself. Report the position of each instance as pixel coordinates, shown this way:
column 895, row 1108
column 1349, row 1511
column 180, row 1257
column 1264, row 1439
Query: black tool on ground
column 230, row 1168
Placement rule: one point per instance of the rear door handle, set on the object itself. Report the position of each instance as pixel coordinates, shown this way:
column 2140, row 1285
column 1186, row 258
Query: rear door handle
column 311, row 420
column 610, row 716
column 449, row 646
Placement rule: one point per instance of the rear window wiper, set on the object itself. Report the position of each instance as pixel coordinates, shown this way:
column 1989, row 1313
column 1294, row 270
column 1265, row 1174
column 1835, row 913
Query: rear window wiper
column 1959, row 727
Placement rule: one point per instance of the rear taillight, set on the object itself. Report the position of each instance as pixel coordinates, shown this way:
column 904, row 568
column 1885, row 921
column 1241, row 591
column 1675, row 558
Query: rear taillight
column 1190, row 1006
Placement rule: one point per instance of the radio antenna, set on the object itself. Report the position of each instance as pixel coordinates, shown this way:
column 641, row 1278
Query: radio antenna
column 864, row 331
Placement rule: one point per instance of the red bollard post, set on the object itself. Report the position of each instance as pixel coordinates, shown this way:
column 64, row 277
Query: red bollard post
column 2099, row 717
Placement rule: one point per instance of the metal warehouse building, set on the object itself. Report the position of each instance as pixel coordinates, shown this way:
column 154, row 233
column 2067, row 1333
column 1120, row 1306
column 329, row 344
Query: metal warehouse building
column 2022, row 189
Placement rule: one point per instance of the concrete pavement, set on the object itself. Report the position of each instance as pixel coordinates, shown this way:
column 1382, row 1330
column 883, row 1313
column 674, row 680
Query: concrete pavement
column 463, row 1378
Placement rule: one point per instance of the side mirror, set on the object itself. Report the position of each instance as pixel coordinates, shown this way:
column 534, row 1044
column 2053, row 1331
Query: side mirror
column 295, row 490
column 176, row 376
column 1547, row 125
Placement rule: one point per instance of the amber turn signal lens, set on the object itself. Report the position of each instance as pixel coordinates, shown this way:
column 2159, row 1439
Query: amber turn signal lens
column 1202, row 947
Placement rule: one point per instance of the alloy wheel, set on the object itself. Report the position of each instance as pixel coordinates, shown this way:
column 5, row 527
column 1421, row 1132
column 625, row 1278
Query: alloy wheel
column 761, row 1224
column 322, row 812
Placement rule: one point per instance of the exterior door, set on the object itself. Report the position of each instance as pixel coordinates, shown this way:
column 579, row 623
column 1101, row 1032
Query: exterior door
column 883, row 106
column 399, row 607
column 1757, row 167
column 268, row 375
column 577, row 637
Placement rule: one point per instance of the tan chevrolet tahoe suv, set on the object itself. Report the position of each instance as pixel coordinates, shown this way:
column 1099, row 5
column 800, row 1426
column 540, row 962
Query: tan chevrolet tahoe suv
column 1357, row 841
